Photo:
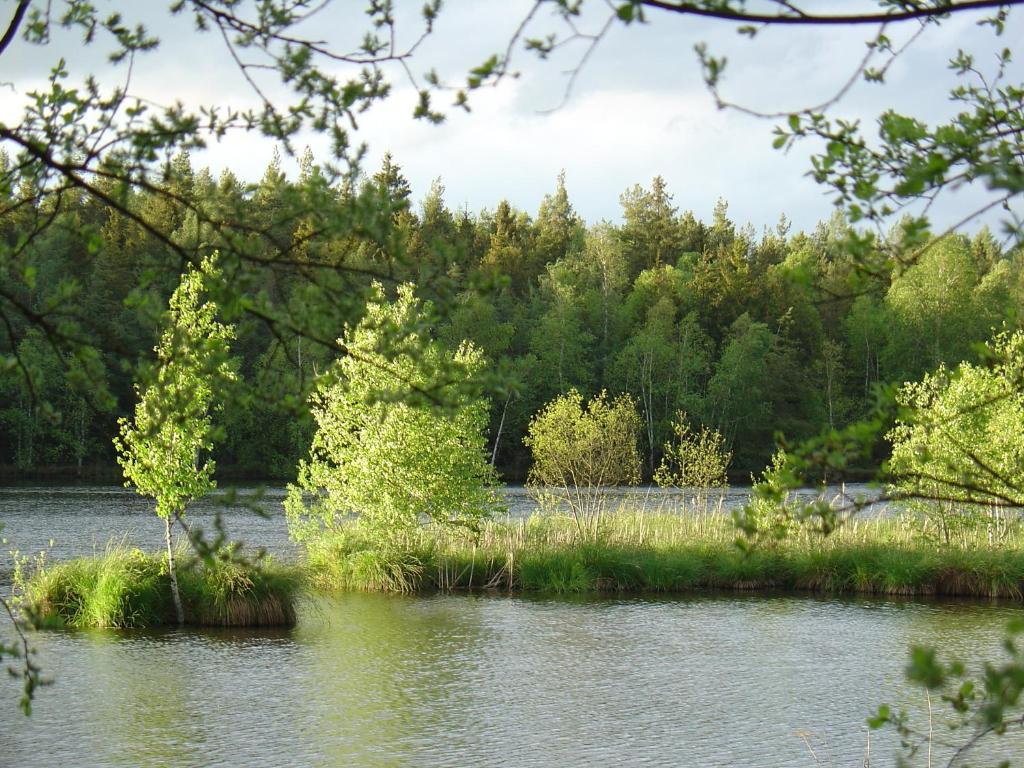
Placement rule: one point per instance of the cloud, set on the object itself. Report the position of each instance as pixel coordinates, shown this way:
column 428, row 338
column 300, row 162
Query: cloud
column 638, row 109
column 606, row 141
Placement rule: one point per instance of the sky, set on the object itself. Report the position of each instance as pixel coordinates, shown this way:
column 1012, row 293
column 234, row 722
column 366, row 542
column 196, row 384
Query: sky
column 637, row 109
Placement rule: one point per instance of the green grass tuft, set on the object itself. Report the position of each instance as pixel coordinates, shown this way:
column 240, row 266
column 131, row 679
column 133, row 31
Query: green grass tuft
column 125, row 587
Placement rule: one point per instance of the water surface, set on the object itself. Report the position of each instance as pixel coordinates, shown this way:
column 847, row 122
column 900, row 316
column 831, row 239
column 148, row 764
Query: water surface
column 369, row 680
column 82, row 519
column 470, row 680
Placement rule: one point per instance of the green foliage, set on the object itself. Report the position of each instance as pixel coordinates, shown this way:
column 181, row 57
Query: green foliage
column 384, row 450
column 560, row 339
column 579, row 449
column 348, row 557
column 665, row 357
column 738, row 392
column 959, row 445
column 767, row 517
column 938, row 309
column 744, row 334
column 652, row 234
column 69, row 116
column 559, row 229
column 165, row 451
column 696, row 460
column 652, row 552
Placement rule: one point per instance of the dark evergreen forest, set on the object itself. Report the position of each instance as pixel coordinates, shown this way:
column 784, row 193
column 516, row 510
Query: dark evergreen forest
column 751, row 333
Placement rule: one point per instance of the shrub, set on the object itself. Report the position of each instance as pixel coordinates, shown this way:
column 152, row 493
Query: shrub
column 959, row 447
column 694, row 460
column 579, row 450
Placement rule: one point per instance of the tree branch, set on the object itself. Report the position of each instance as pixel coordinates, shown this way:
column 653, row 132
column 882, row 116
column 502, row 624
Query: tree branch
column 722, row 12
column 12, row 28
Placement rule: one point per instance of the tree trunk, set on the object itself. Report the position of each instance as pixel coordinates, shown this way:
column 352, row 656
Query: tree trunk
column 79, row 439
column 829, row 373
column 172, row 573
column 501, row 425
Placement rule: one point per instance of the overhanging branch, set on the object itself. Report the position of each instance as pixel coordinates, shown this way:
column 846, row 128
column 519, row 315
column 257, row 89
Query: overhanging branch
column 721, row 11
column 12, row 28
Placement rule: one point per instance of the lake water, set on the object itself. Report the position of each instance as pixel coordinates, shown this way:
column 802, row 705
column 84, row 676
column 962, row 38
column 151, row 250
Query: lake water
column 477, row 680
column 83, row 519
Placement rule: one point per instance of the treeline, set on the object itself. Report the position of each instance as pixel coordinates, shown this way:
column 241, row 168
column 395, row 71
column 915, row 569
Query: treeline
column 749, row 333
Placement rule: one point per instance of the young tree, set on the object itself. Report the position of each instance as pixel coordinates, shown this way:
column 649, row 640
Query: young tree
column 959, row 444
column 383, row 450
column 694, row 460
column 164, row 451
column 579, row 450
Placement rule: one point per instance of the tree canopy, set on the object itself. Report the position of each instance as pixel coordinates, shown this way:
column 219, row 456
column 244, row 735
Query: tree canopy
column 379, row 454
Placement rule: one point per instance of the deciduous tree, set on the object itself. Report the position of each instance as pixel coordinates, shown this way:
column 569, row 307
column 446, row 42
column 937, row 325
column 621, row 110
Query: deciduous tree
column 165, row 449
column 381, row 451
column 580, row 449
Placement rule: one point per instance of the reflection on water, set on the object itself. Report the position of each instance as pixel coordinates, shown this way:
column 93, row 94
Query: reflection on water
column 370, row 680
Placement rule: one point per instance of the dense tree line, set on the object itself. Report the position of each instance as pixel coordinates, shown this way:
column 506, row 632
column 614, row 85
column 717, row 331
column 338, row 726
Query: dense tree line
column 748, row 333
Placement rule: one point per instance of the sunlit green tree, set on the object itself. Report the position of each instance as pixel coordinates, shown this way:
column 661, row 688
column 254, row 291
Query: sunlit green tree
column 694, row 460
column 384, row 450
column 581, row 449
column 960, row 444
column 165, row 449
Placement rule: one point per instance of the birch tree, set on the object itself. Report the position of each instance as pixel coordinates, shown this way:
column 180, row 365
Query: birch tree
column 164, row 450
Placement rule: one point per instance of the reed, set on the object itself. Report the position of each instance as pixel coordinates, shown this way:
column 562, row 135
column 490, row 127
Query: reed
column 642, row 552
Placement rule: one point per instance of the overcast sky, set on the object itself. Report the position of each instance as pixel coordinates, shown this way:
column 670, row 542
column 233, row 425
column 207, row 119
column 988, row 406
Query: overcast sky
column 638, row 108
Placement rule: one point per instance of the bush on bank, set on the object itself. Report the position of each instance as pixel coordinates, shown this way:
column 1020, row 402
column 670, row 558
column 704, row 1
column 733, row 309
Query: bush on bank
column 126, row 587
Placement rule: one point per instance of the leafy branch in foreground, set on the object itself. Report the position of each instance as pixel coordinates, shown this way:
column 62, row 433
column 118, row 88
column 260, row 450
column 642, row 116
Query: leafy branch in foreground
column 957, row 457
column 26, row 669
column 81, row 137
column 962, row 452
column 956, row 442
column 984, row 709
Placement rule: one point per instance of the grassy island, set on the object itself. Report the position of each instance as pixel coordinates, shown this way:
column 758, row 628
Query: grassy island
column 128, row 588
column 630, row 553
column 650, row 553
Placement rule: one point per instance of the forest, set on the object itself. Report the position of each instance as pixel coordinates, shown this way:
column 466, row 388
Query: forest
column 401, row 363
column 753, row 334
